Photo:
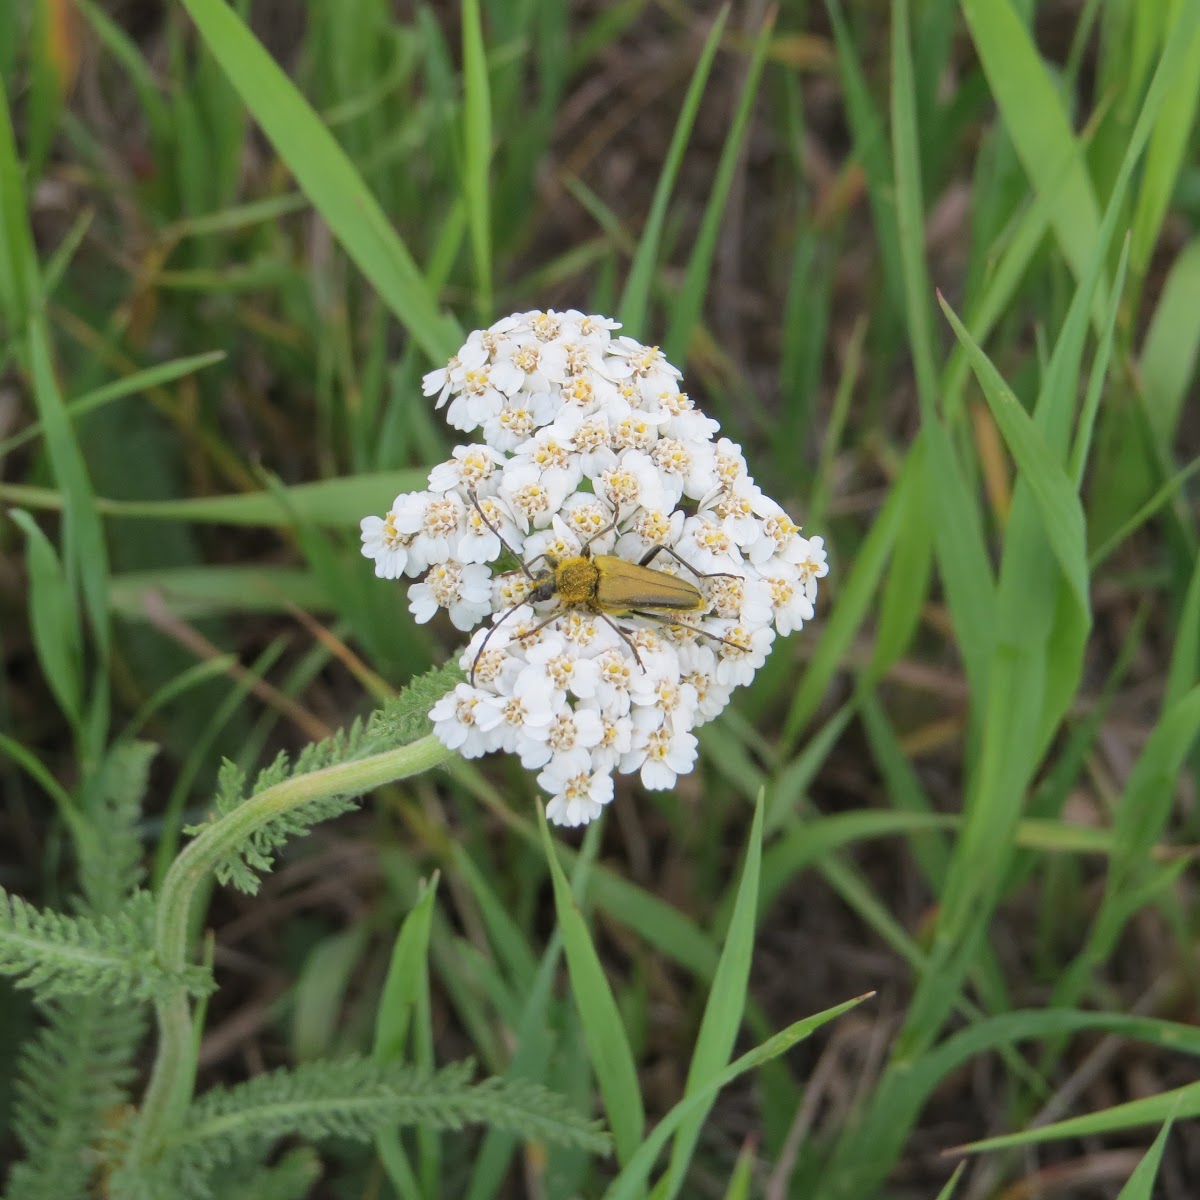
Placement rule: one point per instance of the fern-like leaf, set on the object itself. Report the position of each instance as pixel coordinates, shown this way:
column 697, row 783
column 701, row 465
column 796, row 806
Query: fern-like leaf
column 405, row 718
column 56, row 955
column 356, row 1099
column 400, row 722
column 291, row 1178
column 110, row 866
column 75, row 1075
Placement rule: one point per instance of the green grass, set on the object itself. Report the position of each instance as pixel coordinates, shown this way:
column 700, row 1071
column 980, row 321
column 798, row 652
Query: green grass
column 937, row 272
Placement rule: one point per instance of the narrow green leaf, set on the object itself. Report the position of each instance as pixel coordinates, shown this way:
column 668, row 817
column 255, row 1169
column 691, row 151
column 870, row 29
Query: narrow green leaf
column 1052, row 491
column 1035, row 119
column 901, row 1095
column 338, row 503
column 1166, row 152
column 608, row 1046
column 870, row 147
column 952, row 1183
column 906, row 588
column 1099, row 374
column 1169, row 352
column 630, row 1183
column 326, row 175
column 477, row 151
column 405, row 972
column 530, row 1061
column 54, row 618
column 743, row 1172
column 139, row 381
column 192, row 592
column 724, row 1009
column 1181, row 1103
column 910, row 210
column 84, row 550
column 1148, row 798
column 319, row 993
column 16, row 248
column 685, row 312
column 1140, row 1185
column 1185, row 655
column 635, row 300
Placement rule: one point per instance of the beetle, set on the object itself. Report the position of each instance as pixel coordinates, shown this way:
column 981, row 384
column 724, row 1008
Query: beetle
column 608, row 586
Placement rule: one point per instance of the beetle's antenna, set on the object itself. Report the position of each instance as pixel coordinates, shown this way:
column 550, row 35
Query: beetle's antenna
column 637, row 658
column 538, row 628
column 607, row 529
column 520, row 560
column 650, row 554
column 487, row 637
column 673, row 623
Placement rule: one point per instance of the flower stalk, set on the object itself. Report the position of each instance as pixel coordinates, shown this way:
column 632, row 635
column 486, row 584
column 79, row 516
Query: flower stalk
column 170, row 1082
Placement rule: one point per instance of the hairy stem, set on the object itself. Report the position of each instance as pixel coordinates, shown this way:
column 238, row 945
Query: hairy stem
column 170, row 1084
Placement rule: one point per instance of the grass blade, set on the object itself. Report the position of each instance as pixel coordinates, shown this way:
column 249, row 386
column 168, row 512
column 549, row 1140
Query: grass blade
column 1169, row 352
column 1053, row 493
column 633, row 310
column 1181, row 1103
column 139, row 381
column 405, row 971
column 326, row 175
column 724, row 1009
column 611, row 1056
column 1140, row 1185
column 54, row 617
column 332, row 502
column 630, row 1183
column 1035, row 119
column 686, row 309
column 477, row 152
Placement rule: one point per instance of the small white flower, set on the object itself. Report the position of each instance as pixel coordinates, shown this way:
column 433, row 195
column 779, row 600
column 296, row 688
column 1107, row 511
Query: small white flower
column 708, row 547
column 743, row 652
column 454, row 719
column 386, row 545
column 635, row 480
column 465, row 591
column 576, row 799
column 478, row 399
column 813, row 564
column 450, row 378
column 534, row 499
column 659, row 751
column 469, row 468
column 563, row 668
column 507, row 717
column 487, row 521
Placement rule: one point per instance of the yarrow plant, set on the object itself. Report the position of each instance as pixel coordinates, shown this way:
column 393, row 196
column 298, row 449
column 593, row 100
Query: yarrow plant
column 591, row 457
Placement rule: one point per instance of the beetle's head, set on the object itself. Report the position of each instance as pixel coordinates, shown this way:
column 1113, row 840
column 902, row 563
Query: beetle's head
column 545, row 584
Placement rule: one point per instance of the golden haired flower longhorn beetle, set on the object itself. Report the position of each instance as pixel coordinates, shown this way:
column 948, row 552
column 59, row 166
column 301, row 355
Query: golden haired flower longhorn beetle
column 608, row 586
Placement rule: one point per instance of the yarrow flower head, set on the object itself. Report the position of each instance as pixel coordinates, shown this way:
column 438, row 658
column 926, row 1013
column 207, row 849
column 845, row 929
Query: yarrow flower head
column 651, row 573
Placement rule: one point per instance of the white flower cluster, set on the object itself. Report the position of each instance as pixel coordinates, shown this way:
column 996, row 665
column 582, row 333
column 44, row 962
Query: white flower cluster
column 591, row 459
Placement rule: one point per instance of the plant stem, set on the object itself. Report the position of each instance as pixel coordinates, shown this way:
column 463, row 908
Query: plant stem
column 170, row 1085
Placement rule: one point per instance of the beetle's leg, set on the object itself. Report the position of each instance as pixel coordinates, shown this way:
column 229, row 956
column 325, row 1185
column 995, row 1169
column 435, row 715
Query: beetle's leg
column 654, row 551
column 637, row 658
column 704, row 633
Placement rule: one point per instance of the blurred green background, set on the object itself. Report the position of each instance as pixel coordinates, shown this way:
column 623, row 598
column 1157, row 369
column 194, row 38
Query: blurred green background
column 977, row 764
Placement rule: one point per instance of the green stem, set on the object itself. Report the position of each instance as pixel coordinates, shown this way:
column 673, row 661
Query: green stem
column 170, row 1083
